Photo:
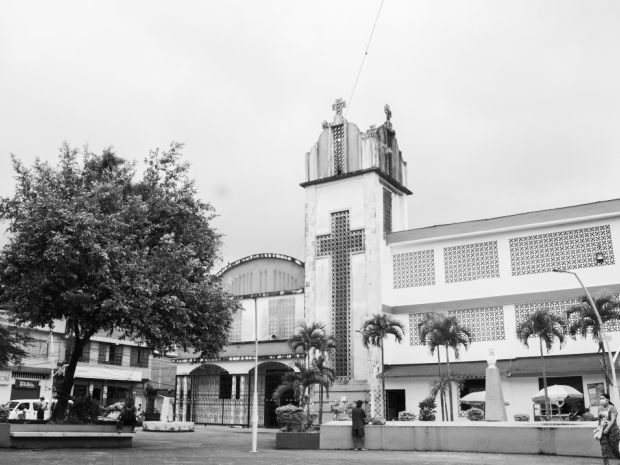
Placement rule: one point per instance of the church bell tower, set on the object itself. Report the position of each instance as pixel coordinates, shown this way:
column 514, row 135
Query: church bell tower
column 355, row 185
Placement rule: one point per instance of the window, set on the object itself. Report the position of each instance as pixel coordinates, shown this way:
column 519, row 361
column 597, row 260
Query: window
column 238, row 387
column 110, row 354
column 225, row 386
column 139, row 357
column 80, row 390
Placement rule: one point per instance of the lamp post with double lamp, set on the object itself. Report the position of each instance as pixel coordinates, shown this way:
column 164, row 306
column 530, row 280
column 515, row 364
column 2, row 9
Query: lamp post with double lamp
column 615, row 396
column 255, row 401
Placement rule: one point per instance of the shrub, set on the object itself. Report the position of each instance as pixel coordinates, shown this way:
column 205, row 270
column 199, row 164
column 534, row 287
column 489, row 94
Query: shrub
column 4, row 414
column 475, row 414
column 378, row 420
column 522, row 417
column 84, row 411
column 587, row 417
column 341, row 410
column 427, row 409
column 406, row 416
column 291, row 417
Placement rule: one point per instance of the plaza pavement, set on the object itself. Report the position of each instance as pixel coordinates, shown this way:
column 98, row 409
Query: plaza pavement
column 222, row 445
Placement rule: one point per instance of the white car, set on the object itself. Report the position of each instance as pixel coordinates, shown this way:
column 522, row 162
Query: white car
column 25, row 409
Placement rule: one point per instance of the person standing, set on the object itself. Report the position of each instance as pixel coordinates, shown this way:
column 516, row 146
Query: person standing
column 607, row 420
column 358, row 415
column 42, row 409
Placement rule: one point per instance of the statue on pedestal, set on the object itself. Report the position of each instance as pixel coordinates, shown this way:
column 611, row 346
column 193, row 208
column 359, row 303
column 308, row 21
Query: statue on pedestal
column 494, row 406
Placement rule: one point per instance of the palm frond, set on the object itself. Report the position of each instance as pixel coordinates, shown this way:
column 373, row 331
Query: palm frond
column 544, row 324
column 378, row 327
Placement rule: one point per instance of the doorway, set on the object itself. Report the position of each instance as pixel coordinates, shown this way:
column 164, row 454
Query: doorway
column 395, row 403
column 272, row 381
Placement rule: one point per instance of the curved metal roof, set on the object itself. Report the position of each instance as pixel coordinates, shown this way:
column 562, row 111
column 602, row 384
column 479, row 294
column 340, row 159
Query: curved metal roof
column 258, row 256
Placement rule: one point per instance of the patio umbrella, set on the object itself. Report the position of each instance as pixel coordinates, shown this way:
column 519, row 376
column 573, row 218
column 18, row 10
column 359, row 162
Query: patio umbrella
column 473, row 398
column 558, row 393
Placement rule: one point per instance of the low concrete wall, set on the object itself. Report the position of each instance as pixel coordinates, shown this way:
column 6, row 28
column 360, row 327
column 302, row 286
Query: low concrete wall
column 307, row 441
column 6, row 440
column 574, row 439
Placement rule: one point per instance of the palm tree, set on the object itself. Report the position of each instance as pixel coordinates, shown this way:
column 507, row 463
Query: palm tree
column 546, row 326
column 587, row 322
column 328, row 375
column 300, row 382
column 445, row 330
column 431, row 337
column 308, row 337
column 374, row 331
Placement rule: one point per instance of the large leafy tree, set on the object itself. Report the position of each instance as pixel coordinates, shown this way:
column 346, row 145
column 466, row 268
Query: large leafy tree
column 547, row 327
column 374, row 331
column 585, row 321
column 12, row 345
column 446, row 330
column 90, row 245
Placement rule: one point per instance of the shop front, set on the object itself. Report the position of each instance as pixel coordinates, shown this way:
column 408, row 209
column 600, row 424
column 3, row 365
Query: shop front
column 105, row 385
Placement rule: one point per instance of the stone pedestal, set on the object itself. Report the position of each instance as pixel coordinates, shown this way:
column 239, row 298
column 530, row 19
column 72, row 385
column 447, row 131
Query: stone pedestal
column 495, row 408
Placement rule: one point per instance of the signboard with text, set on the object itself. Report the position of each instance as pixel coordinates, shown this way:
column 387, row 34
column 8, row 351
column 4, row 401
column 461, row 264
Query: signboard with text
column 5, row 377
column 26, row 384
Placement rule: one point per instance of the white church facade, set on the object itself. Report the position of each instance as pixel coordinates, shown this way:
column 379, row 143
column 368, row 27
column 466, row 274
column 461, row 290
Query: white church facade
column 361, row 259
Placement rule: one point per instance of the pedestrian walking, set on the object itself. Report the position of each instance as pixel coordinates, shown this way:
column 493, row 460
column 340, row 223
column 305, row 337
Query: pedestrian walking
column 358, row 415
column 42, row 409
column 608, row 430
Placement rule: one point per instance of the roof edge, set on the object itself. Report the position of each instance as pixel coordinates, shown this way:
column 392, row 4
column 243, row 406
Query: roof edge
column 258, row 256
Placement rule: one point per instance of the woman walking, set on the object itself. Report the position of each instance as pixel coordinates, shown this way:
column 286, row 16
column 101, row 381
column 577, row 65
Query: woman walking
column 607, row 421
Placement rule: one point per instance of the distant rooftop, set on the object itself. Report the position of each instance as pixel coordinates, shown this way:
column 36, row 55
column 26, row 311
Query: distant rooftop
column 604, row 208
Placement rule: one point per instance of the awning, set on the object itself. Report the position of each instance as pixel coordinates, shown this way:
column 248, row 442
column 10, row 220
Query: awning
column 555, row 365
column 111, row 374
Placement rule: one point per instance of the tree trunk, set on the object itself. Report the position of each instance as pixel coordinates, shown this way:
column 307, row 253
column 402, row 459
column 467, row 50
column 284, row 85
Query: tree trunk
column 602, row 346
column 442, row 404
column 449, row 384
column 383, row 383
column 65, row 392
column 321, row 405
column 544, row 373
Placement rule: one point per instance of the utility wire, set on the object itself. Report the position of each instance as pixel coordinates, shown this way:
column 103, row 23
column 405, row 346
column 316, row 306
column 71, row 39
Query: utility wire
column 363, row 59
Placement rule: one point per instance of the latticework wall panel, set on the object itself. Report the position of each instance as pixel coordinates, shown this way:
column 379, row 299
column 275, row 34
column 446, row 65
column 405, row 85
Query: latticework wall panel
column 282, row 318
column 414, row 269
column 567, row 250
column 471, row 262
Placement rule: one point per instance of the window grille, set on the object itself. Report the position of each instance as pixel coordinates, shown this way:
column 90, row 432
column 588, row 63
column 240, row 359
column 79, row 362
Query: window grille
column 110, row 354
column 85, row 357
column 139, row 357
column 281, row 318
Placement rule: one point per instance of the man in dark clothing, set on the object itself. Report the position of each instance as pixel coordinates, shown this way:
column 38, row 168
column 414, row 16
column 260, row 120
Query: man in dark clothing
column 358, row 415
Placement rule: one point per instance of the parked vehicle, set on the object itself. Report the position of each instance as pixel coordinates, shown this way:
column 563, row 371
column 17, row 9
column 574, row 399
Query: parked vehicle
column 25, row 409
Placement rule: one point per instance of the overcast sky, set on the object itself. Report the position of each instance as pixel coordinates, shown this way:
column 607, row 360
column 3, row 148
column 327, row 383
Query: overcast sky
column 499, row 107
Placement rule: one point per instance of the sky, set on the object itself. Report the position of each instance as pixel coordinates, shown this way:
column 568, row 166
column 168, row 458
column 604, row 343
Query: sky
column 499, row 107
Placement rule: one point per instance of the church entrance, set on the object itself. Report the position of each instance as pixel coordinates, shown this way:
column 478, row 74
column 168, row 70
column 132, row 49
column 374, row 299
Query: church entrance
column 269, row 378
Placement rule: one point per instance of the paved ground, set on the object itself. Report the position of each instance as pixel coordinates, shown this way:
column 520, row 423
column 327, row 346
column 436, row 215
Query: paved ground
column 220, row 445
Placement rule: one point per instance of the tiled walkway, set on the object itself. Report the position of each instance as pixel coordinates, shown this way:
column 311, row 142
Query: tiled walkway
column 216, row 445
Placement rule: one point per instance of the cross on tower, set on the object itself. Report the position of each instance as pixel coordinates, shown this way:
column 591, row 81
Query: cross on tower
column 338, row 106
column 340, row 244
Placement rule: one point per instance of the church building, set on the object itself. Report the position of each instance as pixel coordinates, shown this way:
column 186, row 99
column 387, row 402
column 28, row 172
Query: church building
column 361, row 259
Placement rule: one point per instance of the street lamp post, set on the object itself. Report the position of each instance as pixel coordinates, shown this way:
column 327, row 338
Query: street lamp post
column 255, row 402
column 615, row 396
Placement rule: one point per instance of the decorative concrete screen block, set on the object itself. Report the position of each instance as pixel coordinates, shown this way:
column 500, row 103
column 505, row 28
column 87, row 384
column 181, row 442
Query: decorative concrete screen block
column 414, row 269
column 340, row 244
column 559, row 307
column 387, row 211
column 568, row 250
column 471, row 262
column 338, row 132
column 235, row 329
column 485, row 324
column 282, row 318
